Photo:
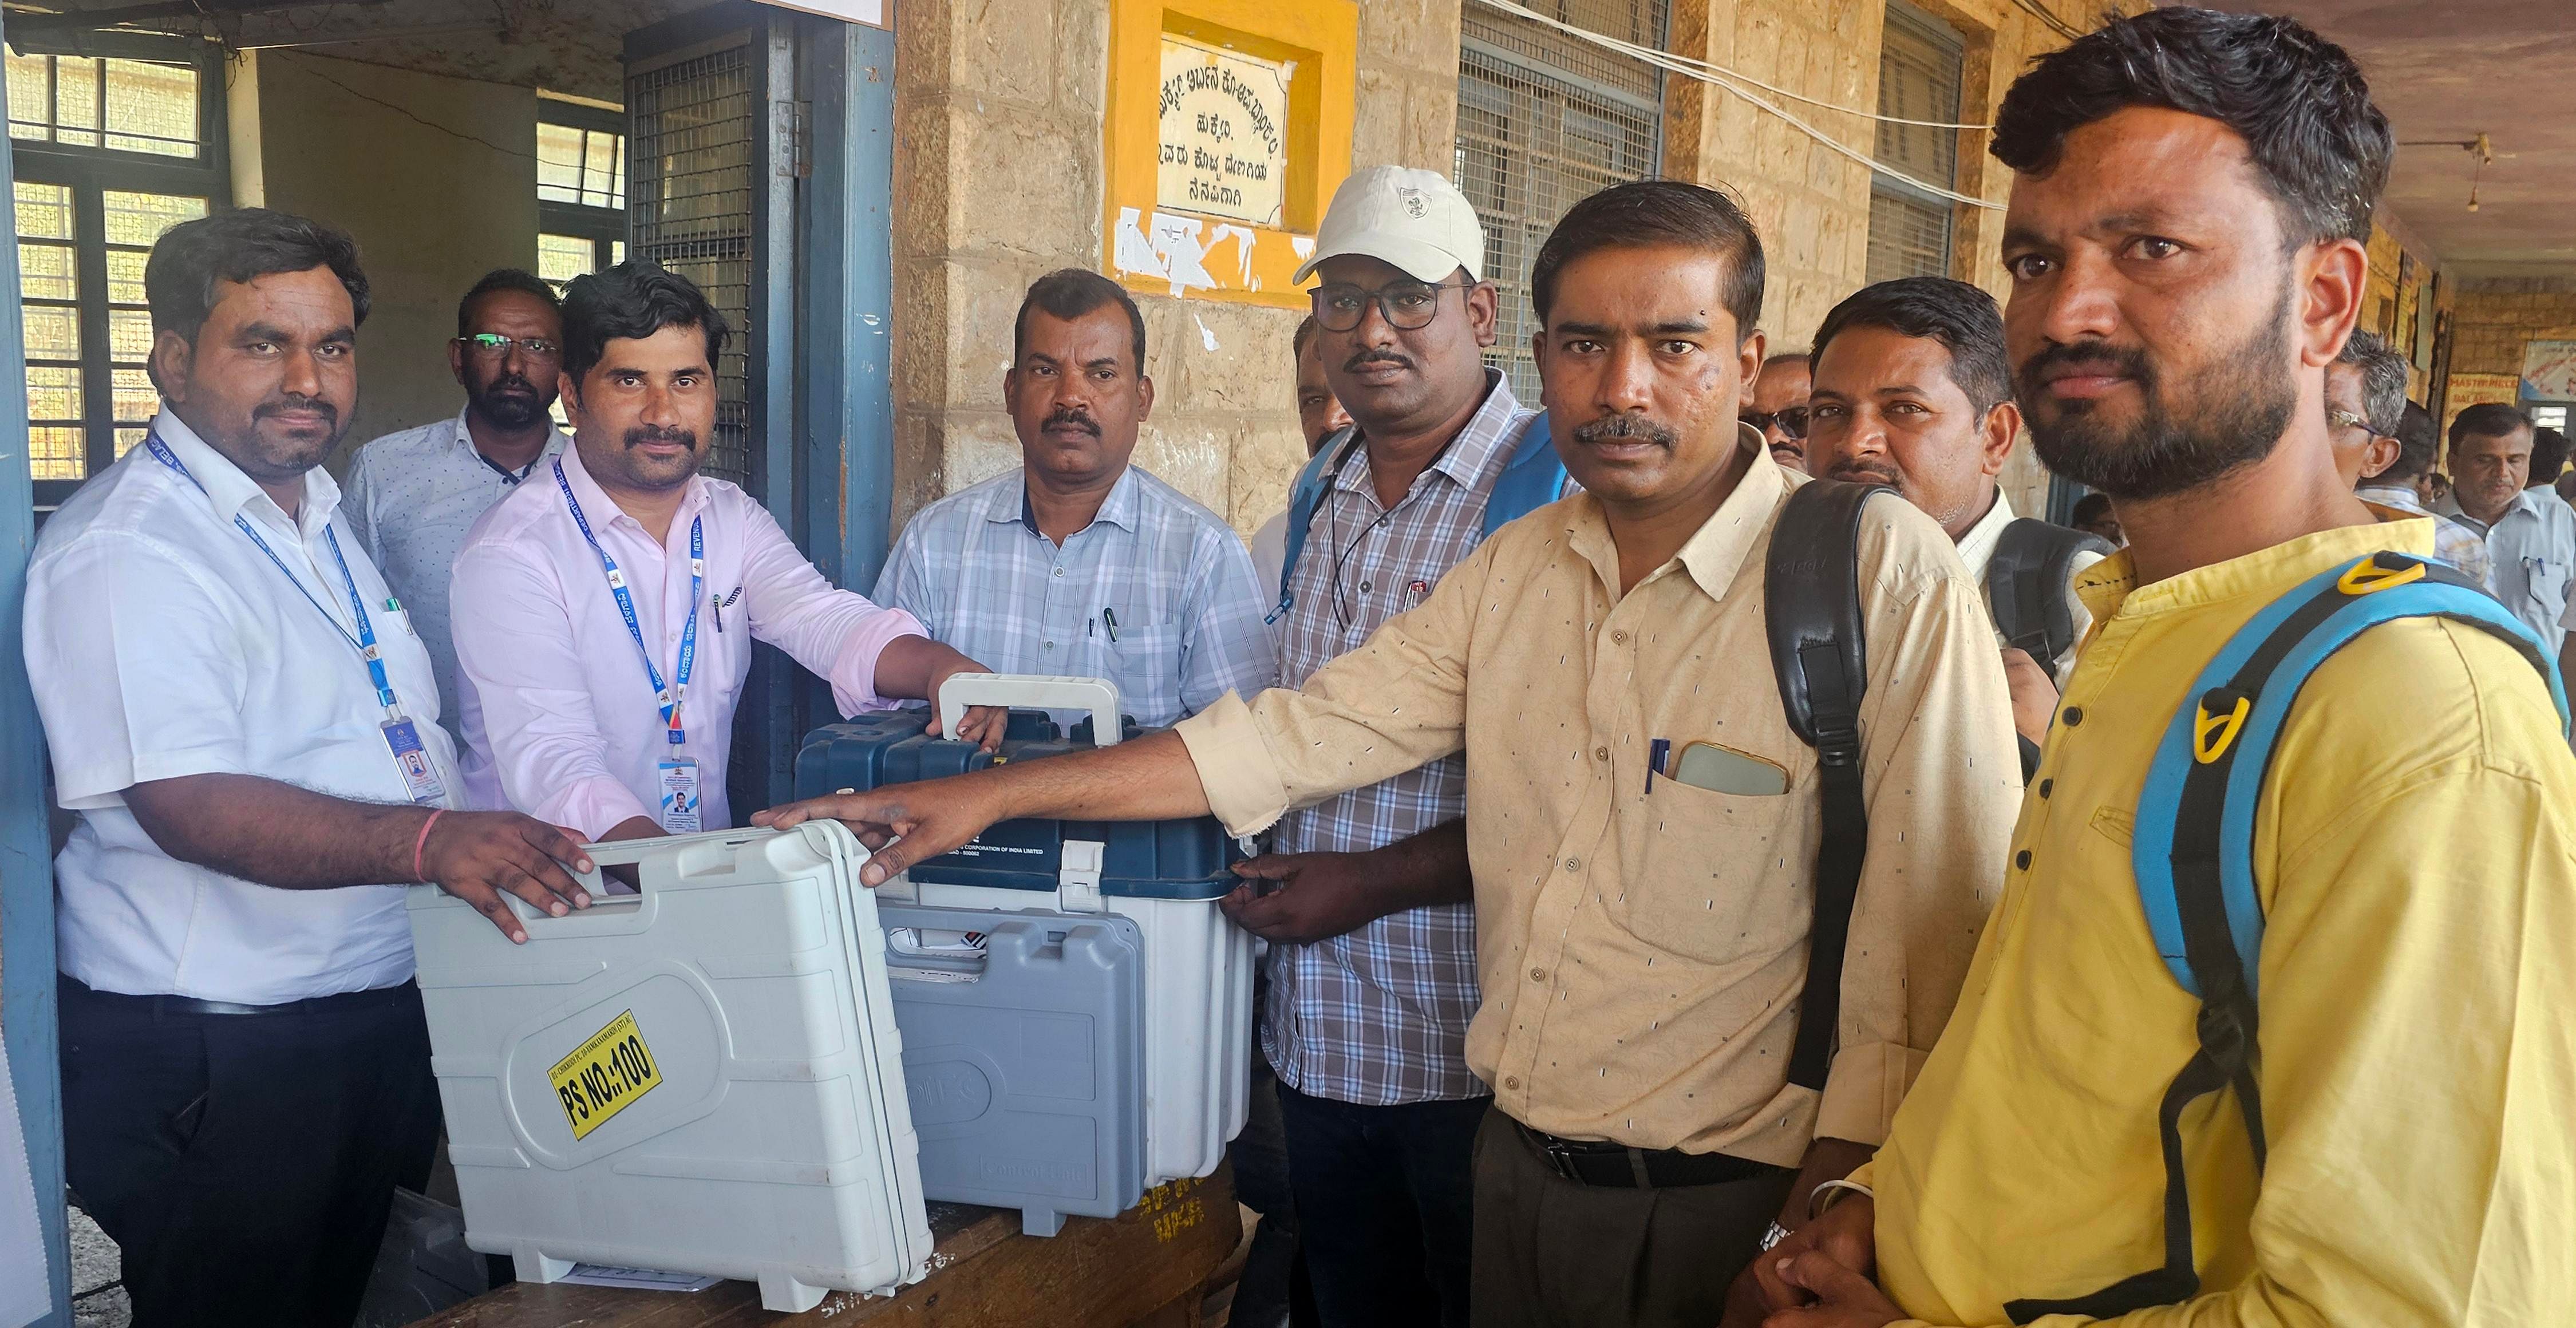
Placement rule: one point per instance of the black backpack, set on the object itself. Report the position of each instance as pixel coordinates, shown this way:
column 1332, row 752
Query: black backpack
column 2026, row 587
column 1811, row 589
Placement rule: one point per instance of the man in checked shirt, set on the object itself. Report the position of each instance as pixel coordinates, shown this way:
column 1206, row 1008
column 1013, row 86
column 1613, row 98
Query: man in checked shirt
column 1642, row 941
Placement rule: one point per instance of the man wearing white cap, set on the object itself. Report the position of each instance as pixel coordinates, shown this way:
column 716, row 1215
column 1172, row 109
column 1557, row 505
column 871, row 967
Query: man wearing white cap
column 1372, row 967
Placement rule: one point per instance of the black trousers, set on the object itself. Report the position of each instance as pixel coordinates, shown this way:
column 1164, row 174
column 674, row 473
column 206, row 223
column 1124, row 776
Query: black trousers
column 245, row 1163
column 1384, row 1207
column 1556, row 1253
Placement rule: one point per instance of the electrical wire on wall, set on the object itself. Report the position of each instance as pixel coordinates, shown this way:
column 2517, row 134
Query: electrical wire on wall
column 1720, row 77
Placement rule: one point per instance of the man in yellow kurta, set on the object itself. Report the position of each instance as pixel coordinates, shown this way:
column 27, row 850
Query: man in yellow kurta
column 2185, row 241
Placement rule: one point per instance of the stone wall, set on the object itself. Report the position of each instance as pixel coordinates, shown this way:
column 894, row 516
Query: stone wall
column 2492, row 317
column 1001, row 107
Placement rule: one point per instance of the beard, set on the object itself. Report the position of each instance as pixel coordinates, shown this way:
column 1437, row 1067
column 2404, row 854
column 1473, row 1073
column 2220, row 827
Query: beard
column 507, row 409
column 2231, row 413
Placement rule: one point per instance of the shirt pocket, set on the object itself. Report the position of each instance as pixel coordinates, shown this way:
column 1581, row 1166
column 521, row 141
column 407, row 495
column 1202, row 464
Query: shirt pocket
column 1717, row 874
column 2548, row 585
column 1146, row 658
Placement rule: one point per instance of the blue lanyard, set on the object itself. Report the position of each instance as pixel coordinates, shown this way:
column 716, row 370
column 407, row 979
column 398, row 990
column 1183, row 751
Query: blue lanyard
column 669, row 696
column 365, row 641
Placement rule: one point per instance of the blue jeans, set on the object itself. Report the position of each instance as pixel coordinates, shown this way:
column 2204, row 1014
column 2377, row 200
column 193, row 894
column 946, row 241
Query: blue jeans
column 1385, row 1206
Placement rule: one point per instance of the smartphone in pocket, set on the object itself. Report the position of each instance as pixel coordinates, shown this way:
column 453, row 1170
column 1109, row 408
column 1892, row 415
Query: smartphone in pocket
column 1706, row 765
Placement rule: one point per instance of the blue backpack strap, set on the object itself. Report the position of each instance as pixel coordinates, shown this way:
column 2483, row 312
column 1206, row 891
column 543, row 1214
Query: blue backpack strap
column 1304, row 497
column 2193, row 852
column 1533, row 478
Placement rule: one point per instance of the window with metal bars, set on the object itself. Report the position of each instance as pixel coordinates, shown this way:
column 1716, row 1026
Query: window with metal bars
column 690, row 208
column 581, row 189
column 1919, row 69
column 109, row 153
column 1543, row 121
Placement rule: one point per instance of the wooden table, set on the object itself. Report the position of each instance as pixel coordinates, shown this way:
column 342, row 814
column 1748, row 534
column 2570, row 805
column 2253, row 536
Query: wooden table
column 1144, row 1268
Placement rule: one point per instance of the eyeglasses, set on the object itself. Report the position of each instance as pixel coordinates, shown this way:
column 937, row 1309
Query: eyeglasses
column 1792, row 420
column 1407, row 306
column 2344, row 419
column 493, row 346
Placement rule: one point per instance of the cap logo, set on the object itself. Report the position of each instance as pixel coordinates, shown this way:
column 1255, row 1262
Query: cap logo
column 1415, row 204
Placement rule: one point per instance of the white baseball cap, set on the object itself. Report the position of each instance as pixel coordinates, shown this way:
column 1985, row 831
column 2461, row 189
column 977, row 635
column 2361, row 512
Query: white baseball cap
column 1416, row 220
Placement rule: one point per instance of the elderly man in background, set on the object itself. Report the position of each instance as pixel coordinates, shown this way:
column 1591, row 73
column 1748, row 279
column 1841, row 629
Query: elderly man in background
column 2367, row 412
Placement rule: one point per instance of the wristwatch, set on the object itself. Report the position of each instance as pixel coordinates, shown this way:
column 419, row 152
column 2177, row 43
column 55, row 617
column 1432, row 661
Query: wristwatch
column 1774, row 1236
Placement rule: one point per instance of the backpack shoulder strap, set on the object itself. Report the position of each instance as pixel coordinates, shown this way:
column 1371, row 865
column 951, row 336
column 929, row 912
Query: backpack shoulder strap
column 2194, row 846
column 1811, row 612
column 2026, row 586
column 1304, row 496
column 1532, row 479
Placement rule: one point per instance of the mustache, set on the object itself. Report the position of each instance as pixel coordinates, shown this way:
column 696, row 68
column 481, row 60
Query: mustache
column 1066, row 417
column 645, row 434
column 510, row 383
column 1861, row 471
column 316, row 405
column 1626, row 426
column 2101, row 356
column 1378, row 355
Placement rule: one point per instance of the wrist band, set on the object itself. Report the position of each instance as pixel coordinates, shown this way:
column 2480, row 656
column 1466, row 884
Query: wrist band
column 421, row 843
column 1817, row 1203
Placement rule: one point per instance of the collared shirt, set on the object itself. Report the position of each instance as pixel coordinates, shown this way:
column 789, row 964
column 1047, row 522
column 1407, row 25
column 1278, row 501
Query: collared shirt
column 409, row 498
column 1621, row 1001
column 161, row 644
column 2415, row 853
column 561, row 721
column 1156, row 594
column 2453, row 542
column 1379, row 1015
column 2533, row 547
column 1977, row 551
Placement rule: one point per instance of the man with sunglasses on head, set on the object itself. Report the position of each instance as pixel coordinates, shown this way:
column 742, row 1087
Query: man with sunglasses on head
column 1778, row 407
column 411, row 496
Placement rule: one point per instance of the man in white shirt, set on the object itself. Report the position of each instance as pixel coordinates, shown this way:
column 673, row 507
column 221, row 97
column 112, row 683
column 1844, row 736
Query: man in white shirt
column 605, row 610
column 1319, row 416
column 2531, row 537
column 411, row 496
column 2396, row 440
column 1913, row 390
column 247, row 728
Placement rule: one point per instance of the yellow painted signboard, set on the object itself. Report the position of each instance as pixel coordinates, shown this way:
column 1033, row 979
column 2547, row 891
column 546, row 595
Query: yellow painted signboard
column 604, row 1075
column 1223, row 150
column 1229, row 127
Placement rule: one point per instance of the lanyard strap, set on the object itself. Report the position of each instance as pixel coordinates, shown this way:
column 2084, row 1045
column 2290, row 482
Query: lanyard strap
column 365, row 641
column 668, row 696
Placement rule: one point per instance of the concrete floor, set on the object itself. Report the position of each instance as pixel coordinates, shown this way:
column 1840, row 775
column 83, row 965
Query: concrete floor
column 95, row 1264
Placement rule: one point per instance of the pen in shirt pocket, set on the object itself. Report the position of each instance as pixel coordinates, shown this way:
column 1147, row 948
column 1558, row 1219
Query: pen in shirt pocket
column 721, row 601
column 1655, row 760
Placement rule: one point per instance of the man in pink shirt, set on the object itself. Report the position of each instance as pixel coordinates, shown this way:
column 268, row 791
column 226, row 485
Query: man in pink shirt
column 605, row 610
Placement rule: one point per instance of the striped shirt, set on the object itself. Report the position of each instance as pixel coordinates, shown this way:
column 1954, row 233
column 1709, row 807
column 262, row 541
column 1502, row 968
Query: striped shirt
column 1379, row 1016
column 1156, row 594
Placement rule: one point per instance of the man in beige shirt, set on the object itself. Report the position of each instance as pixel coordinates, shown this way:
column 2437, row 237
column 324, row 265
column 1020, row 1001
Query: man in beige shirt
column 1642, row 942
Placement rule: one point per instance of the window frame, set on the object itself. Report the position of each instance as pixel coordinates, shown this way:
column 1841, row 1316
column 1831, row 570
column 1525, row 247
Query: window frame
column 602, row 226
column 1951, row 45
column 91, row 173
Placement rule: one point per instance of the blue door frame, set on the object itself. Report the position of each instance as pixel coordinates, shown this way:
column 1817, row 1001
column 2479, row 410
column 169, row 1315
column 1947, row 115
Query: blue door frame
column 843, row 465
column 26, row 848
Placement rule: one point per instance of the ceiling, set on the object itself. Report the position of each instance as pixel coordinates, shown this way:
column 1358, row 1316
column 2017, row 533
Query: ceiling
column 2445, row 73
column 570, row 46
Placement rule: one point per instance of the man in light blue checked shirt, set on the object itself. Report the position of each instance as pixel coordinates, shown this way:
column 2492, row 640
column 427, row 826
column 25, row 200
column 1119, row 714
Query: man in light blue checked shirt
column 1079, row 563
